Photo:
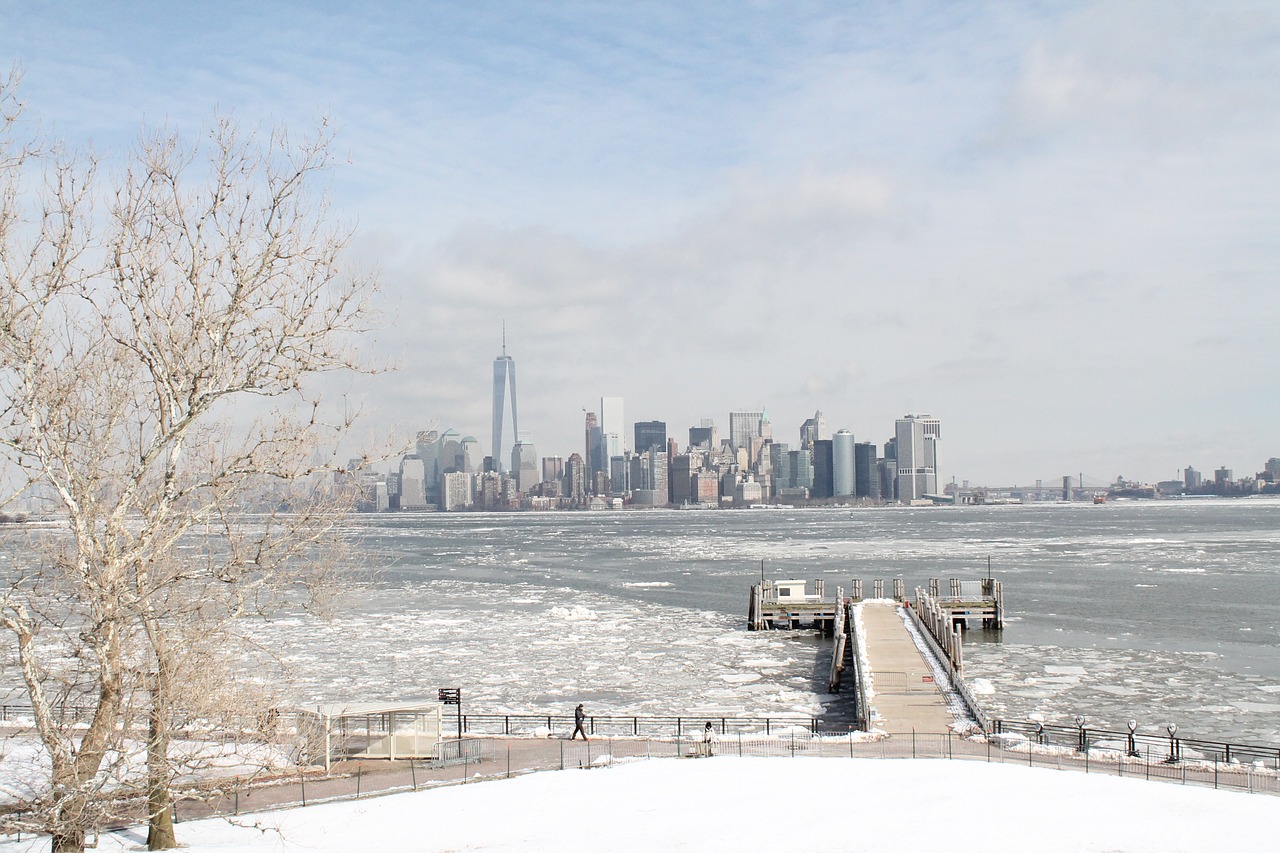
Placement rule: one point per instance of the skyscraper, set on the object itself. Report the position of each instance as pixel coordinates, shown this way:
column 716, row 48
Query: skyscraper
column 866, row 475
column 823, row 469
column 705, row 436
column 650, row 434
column 744, row 426
column 842, row 464
column 524, row 465
column 813, row 429
column 917, row 445
column 504, row 371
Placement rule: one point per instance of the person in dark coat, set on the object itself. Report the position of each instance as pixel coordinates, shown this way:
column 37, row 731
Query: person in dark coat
column 578, row 716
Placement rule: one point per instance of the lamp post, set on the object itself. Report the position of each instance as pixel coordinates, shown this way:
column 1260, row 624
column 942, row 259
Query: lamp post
column 1133, row 745
column 1084, row 737
column 1172, row 729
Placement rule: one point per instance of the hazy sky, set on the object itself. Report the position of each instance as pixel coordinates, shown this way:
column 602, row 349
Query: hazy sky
column 1055, row 226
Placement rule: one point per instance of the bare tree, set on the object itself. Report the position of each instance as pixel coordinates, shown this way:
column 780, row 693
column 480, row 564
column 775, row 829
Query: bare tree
column 160, row 332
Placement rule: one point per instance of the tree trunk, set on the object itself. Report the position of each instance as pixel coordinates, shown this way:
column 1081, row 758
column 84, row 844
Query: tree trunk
column 160, row 834
column 68, row 841
column 69, row 833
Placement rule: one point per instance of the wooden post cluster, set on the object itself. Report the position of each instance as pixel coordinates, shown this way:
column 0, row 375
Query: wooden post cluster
column 937, row 619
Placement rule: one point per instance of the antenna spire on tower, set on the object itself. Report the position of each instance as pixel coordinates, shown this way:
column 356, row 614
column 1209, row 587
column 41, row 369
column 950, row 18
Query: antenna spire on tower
column 504, row 338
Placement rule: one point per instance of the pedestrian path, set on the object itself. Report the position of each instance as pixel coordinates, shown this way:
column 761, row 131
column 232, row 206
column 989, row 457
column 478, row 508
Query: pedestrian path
column 905, row 696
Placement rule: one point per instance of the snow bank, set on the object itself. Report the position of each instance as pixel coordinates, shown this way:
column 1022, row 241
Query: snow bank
column 744, row 804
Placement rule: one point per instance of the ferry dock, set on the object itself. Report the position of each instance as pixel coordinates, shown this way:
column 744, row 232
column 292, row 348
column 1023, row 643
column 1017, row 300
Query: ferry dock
column 909, row 676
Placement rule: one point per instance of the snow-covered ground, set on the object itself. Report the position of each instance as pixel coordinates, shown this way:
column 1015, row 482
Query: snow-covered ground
column 745, row 804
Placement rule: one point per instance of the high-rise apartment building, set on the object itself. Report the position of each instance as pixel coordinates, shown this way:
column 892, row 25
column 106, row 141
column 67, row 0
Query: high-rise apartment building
column 552, row 468
column 842, row 464
column 504, row 374
column 917, row 447
column 575, row 478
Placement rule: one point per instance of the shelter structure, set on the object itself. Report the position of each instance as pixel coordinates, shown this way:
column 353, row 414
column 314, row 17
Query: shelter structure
column 353, row 730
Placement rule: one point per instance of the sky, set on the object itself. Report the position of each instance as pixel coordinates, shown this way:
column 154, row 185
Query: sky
column 1051, row 225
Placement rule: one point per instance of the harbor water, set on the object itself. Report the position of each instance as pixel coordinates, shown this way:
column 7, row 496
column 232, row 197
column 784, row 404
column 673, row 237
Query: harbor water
column 1160, row 611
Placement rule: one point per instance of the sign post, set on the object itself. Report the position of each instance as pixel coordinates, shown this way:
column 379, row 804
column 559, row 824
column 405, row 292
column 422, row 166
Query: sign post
column 453, row 696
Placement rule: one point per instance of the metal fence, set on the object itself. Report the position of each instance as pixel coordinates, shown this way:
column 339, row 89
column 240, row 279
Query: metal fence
column 475, row 759
column 629, row 726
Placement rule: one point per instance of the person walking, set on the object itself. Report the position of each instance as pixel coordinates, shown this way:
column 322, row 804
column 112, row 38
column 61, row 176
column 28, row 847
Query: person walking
column 707, row 736
column 578, row 716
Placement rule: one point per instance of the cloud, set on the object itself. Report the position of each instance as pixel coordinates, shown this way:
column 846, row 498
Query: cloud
column 1027, row 220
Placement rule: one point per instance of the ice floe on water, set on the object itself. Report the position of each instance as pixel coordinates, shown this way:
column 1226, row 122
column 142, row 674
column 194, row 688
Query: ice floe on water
column 527, row 649
column 1111, row 686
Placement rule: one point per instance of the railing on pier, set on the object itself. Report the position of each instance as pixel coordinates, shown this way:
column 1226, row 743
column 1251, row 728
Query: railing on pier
column 954, row 674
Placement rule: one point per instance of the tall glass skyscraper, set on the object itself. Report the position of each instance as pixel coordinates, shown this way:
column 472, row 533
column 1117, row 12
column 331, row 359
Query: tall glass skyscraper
column 504, row 371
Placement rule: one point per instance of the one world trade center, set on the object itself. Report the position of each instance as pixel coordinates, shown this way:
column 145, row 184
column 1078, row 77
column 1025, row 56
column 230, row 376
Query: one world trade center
column 504, row 373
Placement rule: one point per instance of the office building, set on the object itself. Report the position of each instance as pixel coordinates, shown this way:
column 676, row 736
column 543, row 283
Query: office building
column 823, row 469
column 842, row 464
column 683, row 467
column 705, row 436
column 800, row 463
column 866, row 473
column 593, row 456
column 813, row 429
column 650, row 434
column 744, row 426
column 779, row 464
column 412, row 477
column 428, row 450
column 552, row 468
column 917, row 448
column 524, row 465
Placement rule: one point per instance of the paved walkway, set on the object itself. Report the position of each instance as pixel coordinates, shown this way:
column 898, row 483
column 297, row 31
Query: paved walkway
column 904, row 699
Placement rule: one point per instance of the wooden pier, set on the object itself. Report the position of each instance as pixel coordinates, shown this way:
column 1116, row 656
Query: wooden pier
column 789, row 604
column 903, row 679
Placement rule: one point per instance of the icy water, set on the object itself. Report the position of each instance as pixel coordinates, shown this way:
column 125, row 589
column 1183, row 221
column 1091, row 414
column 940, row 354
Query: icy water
column 1160, row 611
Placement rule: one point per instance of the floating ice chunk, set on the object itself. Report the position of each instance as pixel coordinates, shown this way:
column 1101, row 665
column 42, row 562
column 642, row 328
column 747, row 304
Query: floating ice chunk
column 1053, row 669
column 576, row 613
column 982, row 687
column 648, row 584
column 740, row 677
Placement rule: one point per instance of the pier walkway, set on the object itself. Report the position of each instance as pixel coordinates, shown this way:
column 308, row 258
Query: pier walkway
column 906, row 697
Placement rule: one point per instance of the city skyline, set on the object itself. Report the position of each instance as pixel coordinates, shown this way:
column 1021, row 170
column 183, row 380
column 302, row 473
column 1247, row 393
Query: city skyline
column 1050, row 224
